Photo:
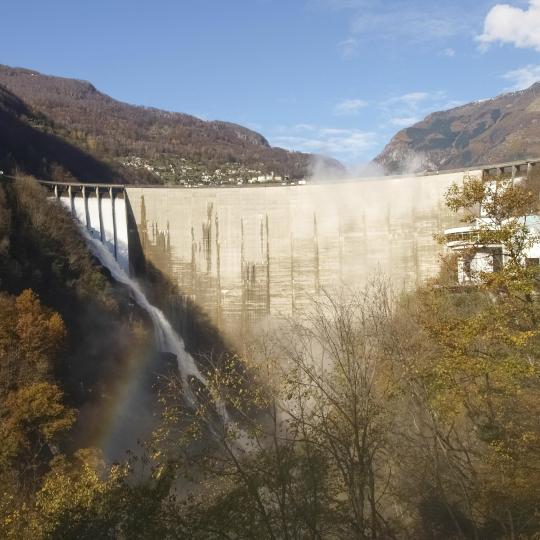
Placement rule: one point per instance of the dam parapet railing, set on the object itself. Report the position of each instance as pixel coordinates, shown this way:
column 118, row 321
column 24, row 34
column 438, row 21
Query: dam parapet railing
column 511, row 167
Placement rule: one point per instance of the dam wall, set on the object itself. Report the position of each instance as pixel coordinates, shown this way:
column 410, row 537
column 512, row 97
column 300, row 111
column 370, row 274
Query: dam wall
column 244, row 254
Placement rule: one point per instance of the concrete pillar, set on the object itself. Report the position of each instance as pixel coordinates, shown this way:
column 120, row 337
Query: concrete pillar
column 101, row 228
column 111, row 194
column 86, row 211
column 56, row 190
column 71, row 200
column 515, row 170
column 500, row 171
column 530, row 166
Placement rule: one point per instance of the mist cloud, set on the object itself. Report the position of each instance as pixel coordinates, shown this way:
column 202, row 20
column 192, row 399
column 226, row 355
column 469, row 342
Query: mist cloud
column 348, row 144
column 350, row 106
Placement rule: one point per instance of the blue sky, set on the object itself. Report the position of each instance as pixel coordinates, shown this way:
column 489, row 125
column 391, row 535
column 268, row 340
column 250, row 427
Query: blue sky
column 337, row 77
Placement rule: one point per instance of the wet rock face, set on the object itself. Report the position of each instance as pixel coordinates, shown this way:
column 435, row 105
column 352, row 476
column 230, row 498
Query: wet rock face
column 502, row 129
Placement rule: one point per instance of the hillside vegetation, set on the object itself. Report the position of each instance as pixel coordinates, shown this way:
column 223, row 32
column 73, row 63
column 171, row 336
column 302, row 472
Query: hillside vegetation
column 105, row 138
column 45, row 267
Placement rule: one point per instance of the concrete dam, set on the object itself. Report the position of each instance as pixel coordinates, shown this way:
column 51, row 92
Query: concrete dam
column 244, row 254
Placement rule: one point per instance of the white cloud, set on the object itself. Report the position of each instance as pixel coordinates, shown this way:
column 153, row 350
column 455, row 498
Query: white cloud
column 405, row 21
column 350, row 106
column 407, row 109
column 452, row 104
column 411, row 99
column 413, row 23
column 353, row 145
column 347, row 144
column 509, row 24
column 405, row 121
column 523, row 77
column 335, row 4
column 300, row 127
column 348, row 47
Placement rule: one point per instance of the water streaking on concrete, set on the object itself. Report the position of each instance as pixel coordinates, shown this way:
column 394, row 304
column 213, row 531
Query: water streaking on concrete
column 249, row 255
column 246, row 254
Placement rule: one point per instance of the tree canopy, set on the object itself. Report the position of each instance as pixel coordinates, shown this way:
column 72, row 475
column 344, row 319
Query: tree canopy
column 373, row 415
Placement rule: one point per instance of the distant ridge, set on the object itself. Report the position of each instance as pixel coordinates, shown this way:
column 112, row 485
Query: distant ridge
column 497, row 130
column 134, row 144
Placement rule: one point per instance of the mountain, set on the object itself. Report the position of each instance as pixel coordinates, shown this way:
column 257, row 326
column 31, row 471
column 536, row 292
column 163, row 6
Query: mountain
column 127, row 143
column 502, row 129
column 28, row 144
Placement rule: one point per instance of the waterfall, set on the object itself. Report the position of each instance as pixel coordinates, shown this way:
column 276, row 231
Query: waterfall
column 167, row 339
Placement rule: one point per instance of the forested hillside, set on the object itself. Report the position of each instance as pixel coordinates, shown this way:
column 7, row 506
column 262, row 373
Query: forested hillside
column 28, row 143
column 64, row 321
column 126, row 143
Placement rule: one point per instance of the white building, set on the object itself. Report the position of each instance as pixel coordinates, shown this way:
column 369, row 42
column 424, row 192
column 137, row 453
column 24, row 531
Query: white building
column 475, row 258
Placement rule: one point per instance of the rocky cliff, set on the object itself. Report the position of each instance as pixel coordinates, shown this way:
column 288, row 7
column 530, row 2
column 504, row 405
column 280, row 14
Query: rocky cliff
column 501, row 129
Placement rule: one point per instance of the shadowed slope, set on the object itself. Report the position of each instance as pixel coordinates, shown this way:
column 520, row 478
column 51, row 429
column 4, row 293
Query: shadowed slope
column 28, row 144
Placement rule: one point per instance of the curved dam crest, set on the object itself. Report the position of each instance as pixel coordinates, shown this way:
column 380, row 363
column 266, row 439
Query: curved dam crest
column 246, row 254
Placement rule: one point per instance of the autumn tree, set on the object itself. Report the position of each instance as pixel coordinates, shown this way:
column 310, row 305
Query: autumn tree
column 304, row 444
column 467, row 360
